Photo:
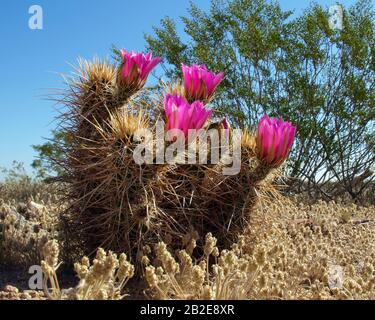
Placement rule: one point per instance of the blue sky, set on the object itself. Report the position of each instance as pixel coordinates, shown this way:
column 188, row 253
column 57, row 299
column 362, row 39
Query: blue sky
column 31, row 60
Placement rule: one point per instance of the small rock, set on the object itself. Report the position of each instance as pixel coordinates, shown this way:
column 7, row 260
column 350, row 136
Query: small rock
column 25, row 296
column 10, row 289
column 34, row 207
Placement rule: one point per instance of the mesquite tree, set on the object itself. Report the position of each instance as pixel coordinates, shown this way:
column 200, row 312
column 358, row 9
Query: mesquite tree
column 297, row 68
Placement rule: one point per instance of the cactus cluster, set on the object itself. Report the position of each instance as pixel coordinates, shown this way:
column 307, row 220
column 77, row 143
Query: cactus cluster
column 122, row 205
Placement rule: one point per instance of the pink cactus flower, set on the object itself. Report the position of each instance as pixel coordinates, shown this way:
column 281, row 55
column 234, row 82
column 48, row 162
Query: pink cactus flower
column 200, row 83
column 136, row 67
column 184, row 116
column 225, row 123
column 226, row 126
column 274, row 139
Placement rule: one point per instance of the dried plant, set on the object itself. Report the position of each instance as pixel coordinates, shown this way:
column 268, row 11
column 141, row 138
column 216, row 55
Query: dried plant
column 18, row 187
column 24, row 228
column 103, row 279
column 304, row 246
column 229, row 274
column 301, row 252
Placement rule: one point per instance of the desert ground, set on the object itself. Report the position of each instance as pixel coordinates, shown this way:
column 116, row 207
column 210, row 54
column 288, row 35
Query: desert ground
column 292, row 250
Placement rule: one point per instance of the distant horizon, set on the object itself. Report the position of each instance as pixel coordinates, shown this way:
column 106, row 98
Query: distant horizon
column 34, row 59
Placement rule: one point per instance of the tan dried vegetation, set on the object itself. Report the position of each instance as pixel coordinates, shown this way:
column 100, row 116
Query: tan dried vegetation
column 291, row 251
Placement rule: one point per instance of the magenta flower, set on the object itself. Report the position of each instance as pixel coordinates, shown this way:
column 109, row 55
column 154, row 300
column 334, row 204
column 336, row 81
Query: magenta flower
column 184, row 116
column 200, row 83
column 274, row 139
column 226, row 126
column 225, row 123
column 136, row 67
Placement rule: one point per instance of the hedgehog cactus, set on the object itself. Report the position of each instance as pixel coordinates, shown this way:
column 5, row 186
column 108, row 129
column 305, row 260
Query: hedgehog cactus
column 274, row 140
column 200, row 84
column 184, row 116
column 121, row 205
column 134, row 71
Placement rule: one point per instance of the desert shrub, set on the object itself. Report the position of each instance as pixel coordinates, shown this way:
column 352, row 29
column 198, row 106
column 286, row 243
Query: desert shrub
column 19, row 186
column 29, row 210
column 103, row 279
column 44, row 167
column 24, row 228
column 296, row 255
column 334, row 191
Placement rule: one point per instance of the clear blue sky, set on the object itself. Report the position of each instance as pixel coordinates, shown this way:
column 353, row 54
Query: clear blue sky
column 30, row 60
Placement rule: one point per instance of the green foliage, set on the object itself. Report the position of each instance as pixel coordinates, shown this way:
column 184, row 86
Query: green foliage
column 245, row 39
column 296, row 68
column 50, row 156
